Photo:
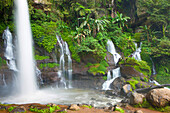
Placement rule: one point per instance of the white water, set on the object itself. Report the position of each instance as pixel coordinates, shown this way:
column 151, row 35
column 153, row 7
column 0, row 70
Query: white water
column 64, row 50
column 4, row 81
column 38, row 74
column 9, row 55
column 62, row 96
column 112, row 50
column 115, row 74
column 136, row 54
column 153, row 67
column 27, row 78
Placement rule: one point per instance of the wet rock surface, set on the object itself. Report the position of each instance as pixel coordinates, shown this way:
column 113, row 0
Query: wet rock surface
column 136, row 98
column 128, row 72
column 159, row 97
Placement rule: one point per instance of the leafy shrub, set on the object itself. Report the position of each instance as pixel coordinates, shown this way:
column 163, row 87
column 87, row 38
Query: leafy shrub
column 45, row 34
column 98, row 68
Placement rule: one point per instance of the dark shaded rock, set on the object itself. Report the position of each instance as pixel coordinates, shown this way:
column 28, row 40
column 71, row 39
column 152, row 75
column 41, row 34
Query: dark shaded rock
column 136, row 98
column 159, row 97
column 3, row 107
column 109, row 58
column 20, row 109
column 50, row 77
column 118, row 83
column 141, row 84
column 87, row 81
column 79, row 68
column 128, row 72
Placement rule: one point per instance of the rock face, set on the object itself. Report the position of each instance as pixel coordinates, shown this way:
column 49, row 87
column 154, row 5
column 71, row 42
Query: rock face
column 128, row 72
column 159, row 97
column 136, row 98
column 109, row 58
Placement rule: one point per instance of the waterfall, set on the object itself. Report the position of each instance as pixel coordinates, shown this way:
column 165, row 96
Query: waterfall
column 27, row 78
column 9, row 55
column 112, row 50
column 136, row 54
column 153, row 67
column 64, row 50
column 115, row 74
column 69, row 65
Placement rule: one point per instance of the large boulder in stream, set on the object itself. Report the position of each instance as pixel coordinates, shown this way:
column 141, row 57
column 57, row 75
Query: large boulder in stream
column 128, row 72
column 136, row 98
column 159, row 97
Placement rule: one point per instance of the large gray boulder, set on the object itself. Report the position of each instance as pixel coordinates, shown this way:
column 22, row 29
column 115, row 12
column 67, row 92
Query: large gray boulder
column 159, row 97
column 136, row 98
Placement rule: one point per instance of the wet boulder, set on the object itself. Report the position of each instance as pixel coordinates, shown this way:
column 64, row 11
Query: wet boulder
column 136, row 98
column 159, row 97
column 128, row 72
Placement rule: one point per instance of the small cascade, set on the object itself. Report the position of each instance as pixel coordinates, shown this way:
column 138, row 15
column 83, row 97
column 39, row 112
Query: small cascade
column 4, row 81
column 115, row 74
column 153, row 67
column 136, row 54
column 112, row 50
column 38, row 74
column 9, row 55
column 64, row 72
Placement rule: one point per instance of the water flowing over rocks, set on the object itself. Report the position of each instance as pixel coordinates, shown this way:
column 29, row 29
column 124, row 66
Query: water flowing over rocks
column 159, row 97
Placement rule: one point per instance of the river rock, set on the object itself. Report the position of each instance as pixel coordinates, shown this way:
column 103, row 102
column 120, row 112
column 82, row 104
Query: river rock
column 20, row 109
column 74, row 107
column 127, row 88
column 136, row 98
column 118, row 83
column 128, row 72
column 159, row 97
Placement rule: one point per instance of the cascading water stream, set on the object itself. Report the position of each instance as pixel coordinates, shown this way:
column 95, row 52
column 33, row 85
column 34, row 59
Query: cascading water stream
column 136, row 54
column 9, row 55
column 112, row 50
column 115, row 74
column 153, row 67
column 27, row 78
column 64, row 50
column 3, row 79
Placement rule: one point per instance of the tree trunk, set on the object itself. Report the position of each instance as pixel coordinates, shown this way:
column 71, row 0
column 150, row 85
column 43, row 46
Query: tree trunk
column 144, row 90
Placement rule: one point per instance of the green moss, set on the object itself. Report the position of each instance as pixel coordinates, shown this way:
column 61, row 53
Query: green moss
column 37, row 57
column 11, row 108
column 133, row 83
column 87, row 106
column 49, row 65
column 120, row 110
column 146, row 104
column 140, row 66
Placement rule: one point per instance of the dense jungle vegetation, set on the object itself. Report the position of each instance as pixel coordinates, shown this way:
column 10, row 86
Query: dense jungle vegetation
column 86, row 25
